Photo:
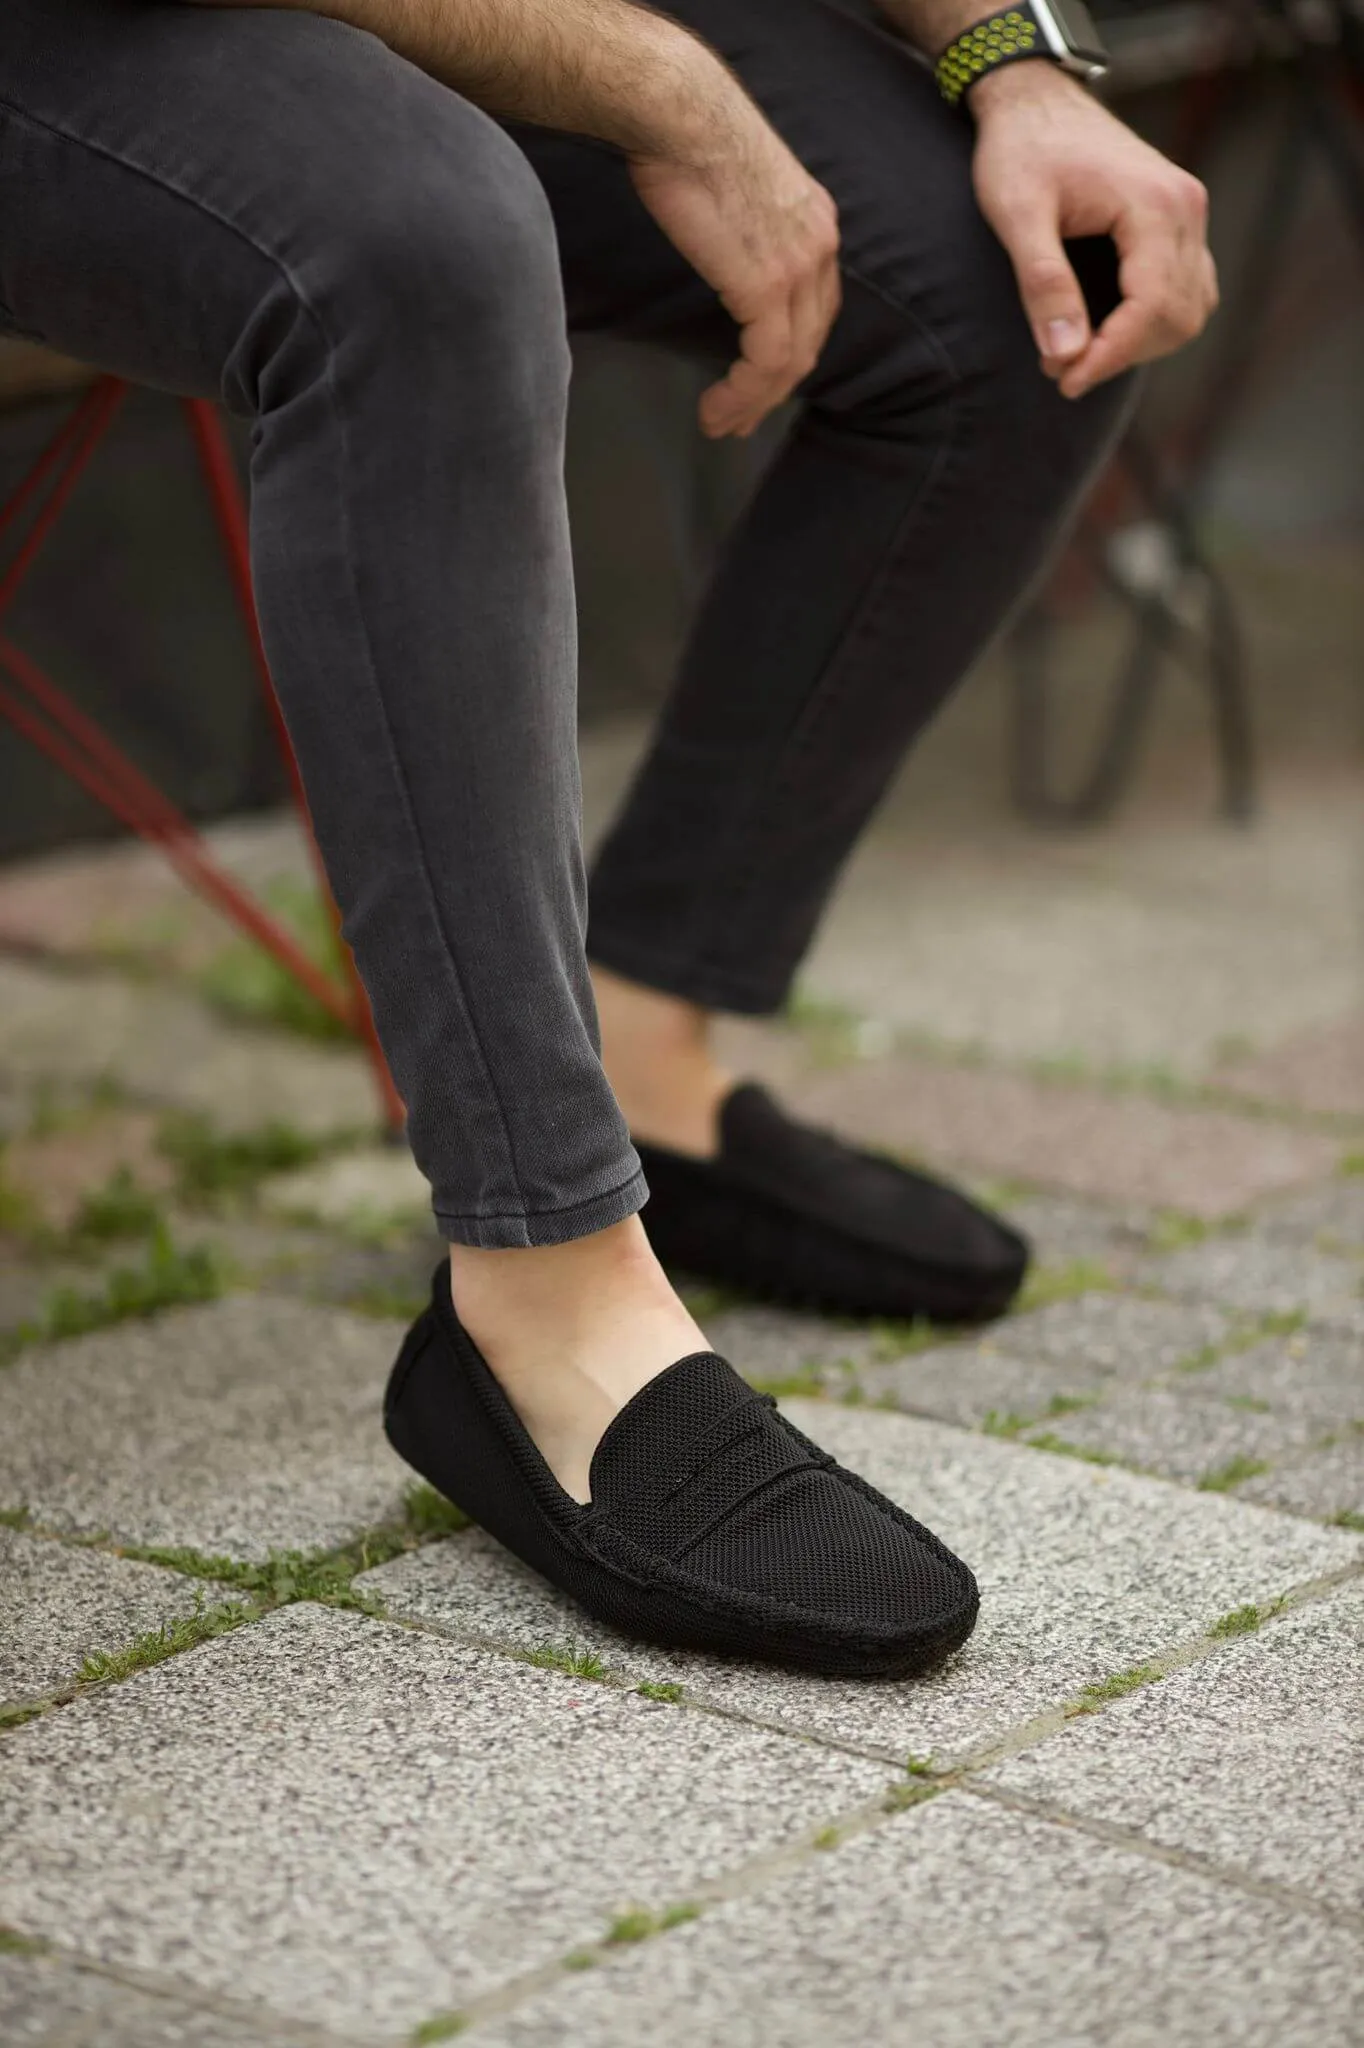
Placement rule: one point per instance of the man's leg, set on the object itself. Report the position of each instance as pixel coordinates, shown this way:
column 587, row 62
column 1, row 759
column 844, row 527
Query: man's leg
column 271, row 209
column 924, row 483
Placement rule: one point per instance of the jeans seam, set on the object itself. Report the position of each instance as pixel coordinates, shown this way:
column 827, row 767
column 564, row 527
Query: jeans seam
column 301, row 299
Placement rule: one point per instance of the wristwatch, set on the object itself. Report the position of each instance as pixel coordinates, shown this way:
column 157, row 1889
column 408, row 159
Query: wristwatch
column 1061, row 30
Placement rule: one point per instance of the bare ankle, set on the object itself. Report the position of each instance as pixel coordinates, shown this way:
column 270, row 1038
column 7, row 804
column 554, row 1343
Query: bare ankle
column 656, row 1051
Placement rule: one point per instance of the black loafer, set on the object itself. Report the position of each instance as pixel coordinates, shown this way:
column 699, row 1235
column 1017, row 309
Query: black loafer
column 713, row 1525
column 796, row 1214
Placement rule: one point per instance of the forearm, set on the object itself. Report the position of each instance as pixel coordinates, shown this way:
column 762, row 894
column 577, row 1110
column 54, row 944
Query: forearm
column 605, row 68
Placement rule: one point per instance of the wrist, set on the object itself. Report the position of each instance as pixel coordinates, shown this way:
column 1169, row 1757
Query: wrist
column 1036, row 83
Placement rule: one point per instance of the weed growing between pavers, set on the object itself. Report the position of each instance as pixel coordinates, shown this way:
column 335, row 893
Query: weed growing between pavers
column 284, row 1579
column 827, row 1838
column 210, row 1165
column 288, row 1576
column 1116, row 1687
column 567, row 1658
column 581, row 1959
column 12, row 1943
column 1243, row 1621
column 807, row 1382
column 1047, row 1284
column 639, row 1924
column 111, row 1667
column 1347, row 1518
column 1223, row 1477
column 900, row 1798
column 659, row 1689
column 121, row 1208
column 168, row 1277
column 1061, row 1447
column 14, row 1518
column 443, row 2027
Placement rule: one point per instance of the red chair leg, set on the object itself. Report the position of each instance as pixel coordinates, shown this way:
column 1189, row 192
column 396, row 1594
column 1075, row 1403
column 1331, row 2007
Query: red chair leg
column 225, row 493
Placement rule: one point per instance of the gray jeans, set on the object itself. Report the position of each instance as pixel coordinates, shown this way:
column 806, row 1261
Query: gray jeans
column 272, row 209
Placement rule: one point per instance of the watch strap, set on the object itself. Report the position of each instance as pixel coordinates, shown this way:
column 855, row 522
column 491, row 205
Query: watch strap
column 1004, row 38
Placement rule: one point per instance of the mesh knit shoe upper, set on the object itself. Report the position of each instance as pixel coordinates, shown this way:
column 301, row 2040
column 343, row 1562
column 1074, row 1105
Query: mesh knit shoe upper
column 713, row 1524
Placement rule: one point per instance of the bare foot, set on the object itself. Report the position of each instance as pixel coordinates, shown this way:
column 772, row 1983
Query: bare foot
column 656, row 1051
column 572, row 1331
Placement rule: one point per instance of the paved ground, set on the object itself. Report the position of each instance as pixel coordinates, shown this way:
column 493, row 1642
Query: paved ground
column 289, row 1757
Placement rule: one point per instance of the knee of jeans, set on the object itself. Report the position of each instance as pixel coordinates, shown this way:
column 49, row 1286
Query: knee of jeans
column 428, row 270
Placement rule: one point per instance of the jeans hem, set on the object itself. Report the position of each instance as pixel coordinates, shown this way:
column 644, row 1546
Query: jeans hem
column 505, row 1231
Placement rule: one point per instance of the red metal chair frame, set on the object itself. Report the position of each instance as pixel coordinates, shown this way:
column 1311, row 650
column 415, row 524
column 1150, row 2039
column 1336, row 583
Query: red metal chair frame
column 47, row 717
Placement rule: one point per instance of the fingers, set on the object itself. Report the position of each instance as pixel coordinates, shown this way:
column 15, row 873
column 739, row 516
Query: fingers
column 1047, row 285
column 1168, row 282
column 782, row 339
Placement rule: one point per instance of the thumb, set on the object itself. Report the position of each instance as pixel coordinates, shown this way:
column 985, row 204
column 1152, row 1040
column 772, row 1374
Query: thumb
column 1047, row 285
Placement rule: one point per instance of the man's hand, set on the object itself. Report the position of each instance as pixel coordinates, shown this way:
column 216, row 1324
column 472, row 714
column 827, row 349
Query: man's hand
column 717, row 178
column 1051, row 162
column 759, row 229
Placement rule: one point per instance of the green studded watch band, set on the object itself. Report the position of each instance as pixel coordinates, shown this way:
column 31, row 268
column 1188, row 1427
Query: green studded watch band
column 1001, row 39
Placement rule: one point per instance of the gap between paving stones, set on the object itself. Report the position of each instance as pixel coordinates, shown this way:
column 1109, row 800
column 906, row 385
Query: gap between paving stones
column 285, row 1579
column 267, row 2024
column 920, row 1785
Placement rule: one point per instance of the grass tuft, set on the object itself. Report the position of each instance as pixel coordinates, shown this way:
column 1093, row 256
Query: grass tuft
column 14, row 1518
column 1243, row 1621
column 569, row 1659
column 827, row 1838
column 1119, row 1685
column 919, row 1766
column 428, row 1514
column 660, row 1689
column 1047, row 1284
column 210, row 1164
column 900, row 1798
column 580, row 1959
column 1062, row 1447
column 443, row 2027
column 168, row 1277
column 12, row 1943
column 808, row 1381
column 1347, row 1518
column 1222, row 1478
column 639, row 1924
column 173, row 1637
column 122, row 1208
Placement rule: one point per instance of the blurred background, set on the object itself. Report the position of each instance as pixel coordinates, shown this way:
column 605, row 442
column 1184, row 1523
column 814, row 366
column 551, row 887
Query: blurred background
column 1125, row 861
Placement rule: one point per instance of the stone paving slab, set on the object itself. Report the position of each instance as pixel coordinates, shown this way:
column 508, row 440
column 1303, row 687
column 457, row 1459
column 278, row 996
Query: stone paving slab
column 1328, row 1218
column 1117, row 1148
column 959, row 1925
column 1253, row 1758
column 362, row 1825
column 166, row 1047
column 1316, row 1374
column 51, row 2001
column 58, row 1604
column 1319, row 1069
column 246, row 1426
column 1034, row 1365
column 1263, row 1277
column 1063, row 1229
column 1324, row 1482
column 375, row 1186
column 1183, row 1433
column 985, row 1383
column 1083, row 1572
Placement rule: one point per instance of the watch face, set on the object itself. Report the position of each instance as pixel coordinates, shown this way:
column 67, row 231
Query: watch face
column 1076, row 23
